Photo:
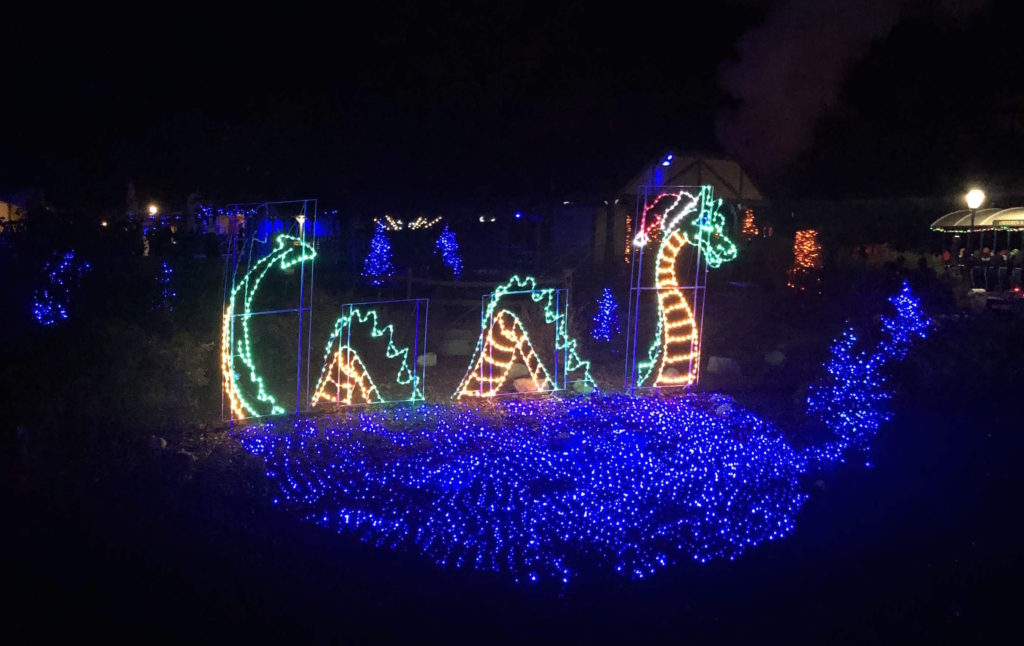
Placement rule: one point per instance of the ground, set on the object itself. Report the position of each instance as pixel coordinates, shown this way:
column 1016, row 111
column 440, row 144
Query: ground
column 183, row 542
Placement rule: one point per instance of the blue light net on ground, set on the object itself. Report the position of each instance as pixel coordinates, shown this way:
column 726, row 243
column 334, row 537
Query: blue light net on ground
column 544, row 488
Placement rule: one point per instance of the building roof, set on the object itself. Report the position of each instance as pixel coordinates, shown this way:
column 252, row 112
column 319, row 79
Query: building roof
column 728, row 179
column 1011, row 219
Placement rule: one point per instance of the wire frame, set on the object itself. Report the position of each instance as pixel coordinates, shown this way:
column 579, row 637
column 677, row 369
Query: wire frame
column 251, row 237
column 558, row 357
column 646, row 297
column 373, row 354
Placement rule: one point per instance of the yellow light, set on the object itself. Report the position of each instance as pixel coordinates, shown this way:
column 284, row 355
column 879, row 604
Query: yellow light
column 509, row 328
column 975, row 198
column 749, row 229
column 153, row 210
column 103, row 223
column 806, row 260
column 351, row 376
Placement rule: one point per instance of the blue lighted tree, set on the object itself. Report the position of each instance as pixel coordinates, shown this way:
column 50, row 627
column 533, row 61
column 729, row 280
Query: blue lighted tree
column 50, row 303
column 449, row 249
column 606, row 319
column 377, row 265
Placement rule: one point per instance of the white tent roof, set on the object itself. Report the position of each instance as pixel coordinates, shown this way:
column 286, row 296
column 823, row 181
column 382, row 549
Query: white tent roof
column 984, row 219
column 726, row 176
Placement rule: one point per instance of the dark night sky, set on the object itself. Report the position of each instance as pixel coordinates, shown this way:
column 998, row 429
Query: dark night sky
column 428, row 107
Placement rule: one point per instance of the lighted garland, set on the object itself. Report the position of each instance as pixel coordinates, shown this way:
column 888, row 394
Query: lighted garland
column 542, row 490
column 288, row 252
column 546, row 296
column 346, row 361
column 507, row 341
column 673, row 356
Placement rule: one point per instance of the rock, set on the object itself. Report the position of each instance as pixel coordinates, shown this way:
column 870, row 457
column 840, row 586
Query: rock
column 723, row 366
column 582, row 387
column 157, row 443
column 457, row 348
column 517, row 370
column 774, row 358
column 428, row 360
column 525, row 385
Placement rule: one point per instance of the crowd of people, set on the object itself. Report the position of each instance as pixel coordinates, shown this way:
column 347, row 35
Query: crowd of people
column 997, row 270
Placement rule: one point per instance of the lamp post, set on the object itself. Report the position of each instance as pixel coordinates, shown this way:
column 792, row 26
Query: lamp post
column 974, row 198
column 301, row 219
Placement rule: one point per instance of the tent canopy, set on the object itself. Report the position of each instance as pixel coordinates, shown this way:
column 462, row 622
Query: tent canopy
column 984, row 220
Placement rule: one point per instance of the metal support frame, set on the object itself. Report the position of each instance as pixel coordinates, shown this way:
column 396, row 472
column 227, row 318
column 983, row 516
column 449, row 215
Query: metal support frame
column 697, row 290
column 246, row 245
column 420, row 311
column 560, row 362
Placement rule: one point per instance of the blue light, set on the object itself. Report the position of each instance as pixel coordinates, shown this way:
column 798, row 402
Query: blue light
column 668, row 160
column 377, row 265
column 519, row 215
column 449, row 249
column 167, row 292
column 50, row 303
column 606, row 320
column 542, row 489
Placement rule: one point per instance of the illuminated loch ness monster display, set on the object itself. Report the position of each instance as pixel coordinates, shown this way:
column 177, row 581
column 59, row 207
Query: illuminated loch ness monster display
column 546, row 489
column 345, row 373
column 506, row 340
column 684, row 219
column 288, row 252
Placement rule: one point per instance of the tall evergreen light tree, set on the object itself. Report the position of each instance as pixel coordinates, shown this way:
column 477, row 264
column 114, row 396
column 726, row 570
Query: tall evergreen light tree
column 377, row 265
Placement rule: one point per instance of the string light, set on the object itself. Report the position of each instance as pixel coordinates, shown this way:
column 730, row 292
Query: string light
column 806, row 269
column 492, row 349
column 851, row 399
column 288, row 252
column 606, row 319
column 749, row 229
column 50, row 303
column 449, row 248
column 629, row 236
column 345, row 362
column 673, row 356
column 167, row 293
column 391, row 223
column 544, row 489
column 377, row 265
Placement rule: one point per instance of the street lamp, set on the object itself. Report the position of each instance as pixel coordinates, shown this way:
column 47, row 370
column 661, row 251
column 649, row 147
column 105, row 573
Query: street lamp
column 975, row 198
column 153, row 210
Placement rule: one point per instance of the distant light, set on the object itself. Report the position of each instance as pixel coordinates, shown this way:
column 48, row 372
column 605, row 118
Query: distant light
column 492, row 219
column 153, row 210
column 483, row 219
column 975, row 198
column 566, row 203
column 668, row 160
column 301, row 219
column 104, row 223
column 518, row 214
